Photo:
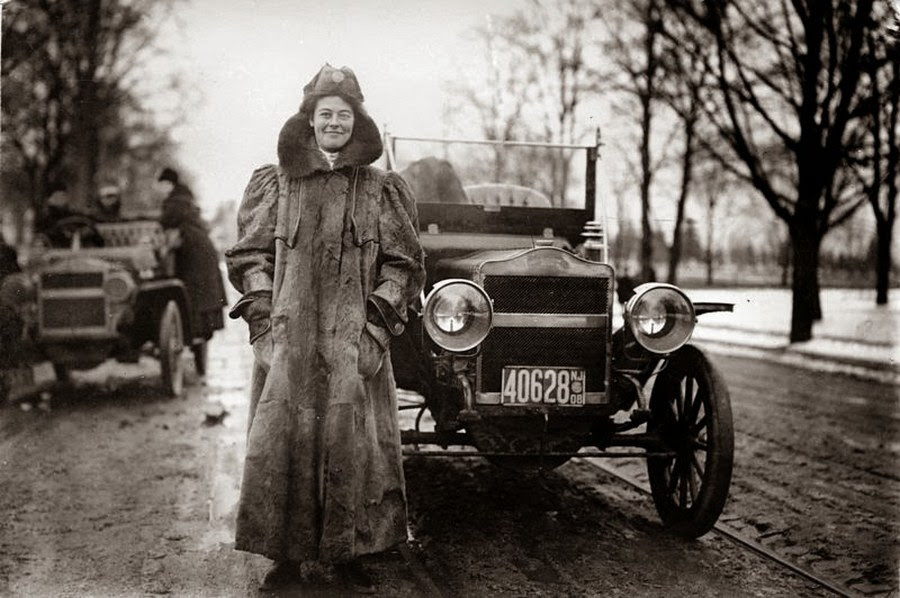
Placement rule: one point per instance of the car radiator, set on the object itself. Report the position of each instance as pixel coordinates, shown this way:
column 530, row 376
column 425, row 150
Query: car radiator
column 555, row 341
column 72, row 302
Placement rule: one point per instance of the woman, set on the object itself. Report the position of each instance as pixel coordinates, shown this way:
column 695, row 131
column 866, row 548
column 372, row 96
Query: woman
column 328, row 258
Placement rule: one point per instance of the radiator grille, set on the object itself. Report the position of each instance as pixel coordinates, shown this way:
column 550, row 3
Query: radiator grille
column 547, row 294
column 569, row 347
column 72, row 312
column 71, row 280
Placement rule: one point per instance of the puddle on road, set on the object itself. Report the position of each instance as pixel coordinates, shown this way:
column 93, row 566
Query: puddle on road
column 229, row 367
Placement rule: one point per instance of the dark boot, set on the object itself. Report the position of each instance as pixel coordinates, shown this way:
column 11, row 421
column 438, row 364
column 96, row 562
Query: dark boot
column 280, row 574
column 354, row 576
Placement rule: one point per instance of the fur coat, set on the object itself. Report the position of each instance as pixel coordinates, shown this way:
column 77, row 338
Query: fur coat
column 323, row 477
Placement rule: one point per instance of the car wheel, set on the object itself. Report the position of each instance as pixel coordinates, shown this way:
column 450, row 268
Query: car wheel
column 201, row 357
column 171, row 348
column 691, row 412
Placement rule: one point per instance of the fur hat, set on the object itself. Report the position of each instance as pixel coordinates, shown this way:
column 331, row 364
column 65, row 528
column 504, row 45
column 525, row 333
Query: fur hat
column 298, row 153
column 330, row 81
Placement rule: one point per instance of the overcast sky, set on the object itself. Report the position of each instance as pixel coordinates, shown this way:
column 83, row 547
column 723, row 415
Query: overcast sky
column 247, row 61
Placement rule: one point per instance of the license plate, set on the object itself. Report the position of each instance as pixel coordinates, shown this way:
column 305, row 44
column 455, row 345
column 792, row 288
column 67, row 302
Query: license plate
column 542, row 386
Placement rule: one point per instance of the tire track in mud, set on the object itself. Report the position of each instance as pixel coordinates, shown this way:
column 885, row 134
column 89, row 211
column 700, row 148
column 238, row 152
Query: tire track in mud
column 816, row 471
column 744, row 541
column 816, row 475
column 485, row 531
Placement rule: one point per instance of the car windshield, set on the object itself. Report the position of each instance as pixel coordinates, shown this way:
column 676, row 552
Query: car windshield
column 531, row 176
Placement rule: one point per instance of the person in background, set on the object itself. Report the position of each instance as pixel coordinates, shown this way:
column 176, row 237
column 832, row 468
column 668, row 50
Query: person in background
column 196, row 259
column 9, row 257
column 109, row 204
column 58, row 205
column 57, row 209
column 10, row 322
column 328, row 259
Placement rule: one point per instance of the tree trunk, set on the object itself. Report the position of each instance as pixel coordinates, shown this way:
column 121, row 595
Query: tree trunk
column 817, row 299
column 86, row 156
column 647, row 273
column 645, row 95
column 805, row 243
column 686, row 176
column 883, row 263
column 711, row 210
column 675, row 250
column 785, row 259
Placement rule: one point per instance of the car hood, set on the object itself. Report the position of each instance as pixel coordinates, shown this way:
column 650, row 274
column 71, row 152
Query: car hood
column 458, row 255
column 136, row 258
column 541, row 261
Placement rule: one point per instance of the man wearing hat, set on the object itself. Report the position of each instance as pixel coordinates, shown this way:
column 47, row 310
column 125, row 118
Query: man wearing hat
column 196, row 259
column 328, row 259
column 109, row 204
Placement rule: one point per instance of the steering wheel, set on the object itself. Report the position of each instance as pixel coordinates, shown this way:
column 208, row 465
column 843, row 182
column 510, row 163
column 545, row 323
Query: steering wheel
column 64, row 230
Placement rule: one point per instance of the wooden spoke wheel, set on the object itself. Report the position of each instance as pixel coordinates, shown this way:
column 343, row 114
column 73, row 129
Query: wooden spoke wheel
column 691, row 412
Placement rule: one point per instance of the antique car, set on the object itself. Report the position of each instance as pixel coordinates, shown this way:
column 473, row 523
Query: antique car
column 515, row 346
column 108, row 292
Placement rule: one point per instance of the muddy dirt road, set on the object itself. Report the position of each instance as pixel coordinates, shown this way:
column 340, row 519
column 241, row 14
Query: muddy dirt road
column 110, row 489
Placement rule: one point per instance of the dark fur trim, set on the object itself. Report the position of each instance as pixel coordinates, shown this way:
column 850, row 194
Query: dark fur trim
column 299, row 155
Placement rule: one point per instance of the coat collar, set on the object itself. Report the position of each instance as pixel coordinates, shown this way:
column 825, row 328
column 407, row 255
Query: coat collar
column 299, row 156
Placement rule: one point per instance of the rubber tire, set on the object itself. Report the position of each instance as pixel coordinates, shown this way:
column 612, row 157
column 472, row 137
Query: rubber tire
column 691, row 518
column 201, row 357
column 61, row 372
column 171, row 349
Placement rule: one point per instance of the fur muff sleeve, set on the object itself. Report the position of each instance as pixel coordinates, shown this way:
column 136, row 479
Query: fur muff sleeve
column 251, row 262
column 401, row 272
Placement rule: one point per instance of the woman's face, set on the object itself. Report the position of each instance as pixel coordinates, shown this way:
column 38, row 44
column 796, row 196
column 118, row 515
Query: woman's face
column 332, row 121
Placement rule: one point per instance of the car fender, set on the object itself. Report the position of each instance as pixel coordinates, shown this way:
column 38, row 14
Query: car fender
column 152, row 298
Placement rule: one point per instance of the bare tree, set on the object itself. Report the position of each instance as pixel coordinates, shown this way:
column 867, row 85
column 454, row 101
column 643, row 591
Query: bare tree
column 540, row 73
column 71, row 75
column 634, row 31
column 496, row 102
column 878, row 167
column 787, row 89
column 681, row 88
column 712, row 185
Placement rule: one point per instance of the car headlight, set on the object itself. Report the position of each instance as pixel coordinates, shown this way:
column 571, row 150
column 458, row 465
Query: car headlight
column 118, row 286
column 457, row 314
column 660, row 317
column 16, row 289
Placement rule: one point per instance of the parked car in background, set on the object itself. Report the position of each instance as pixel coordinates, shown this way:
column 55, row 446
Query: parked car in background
column 513, row 344
column 109, row 293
